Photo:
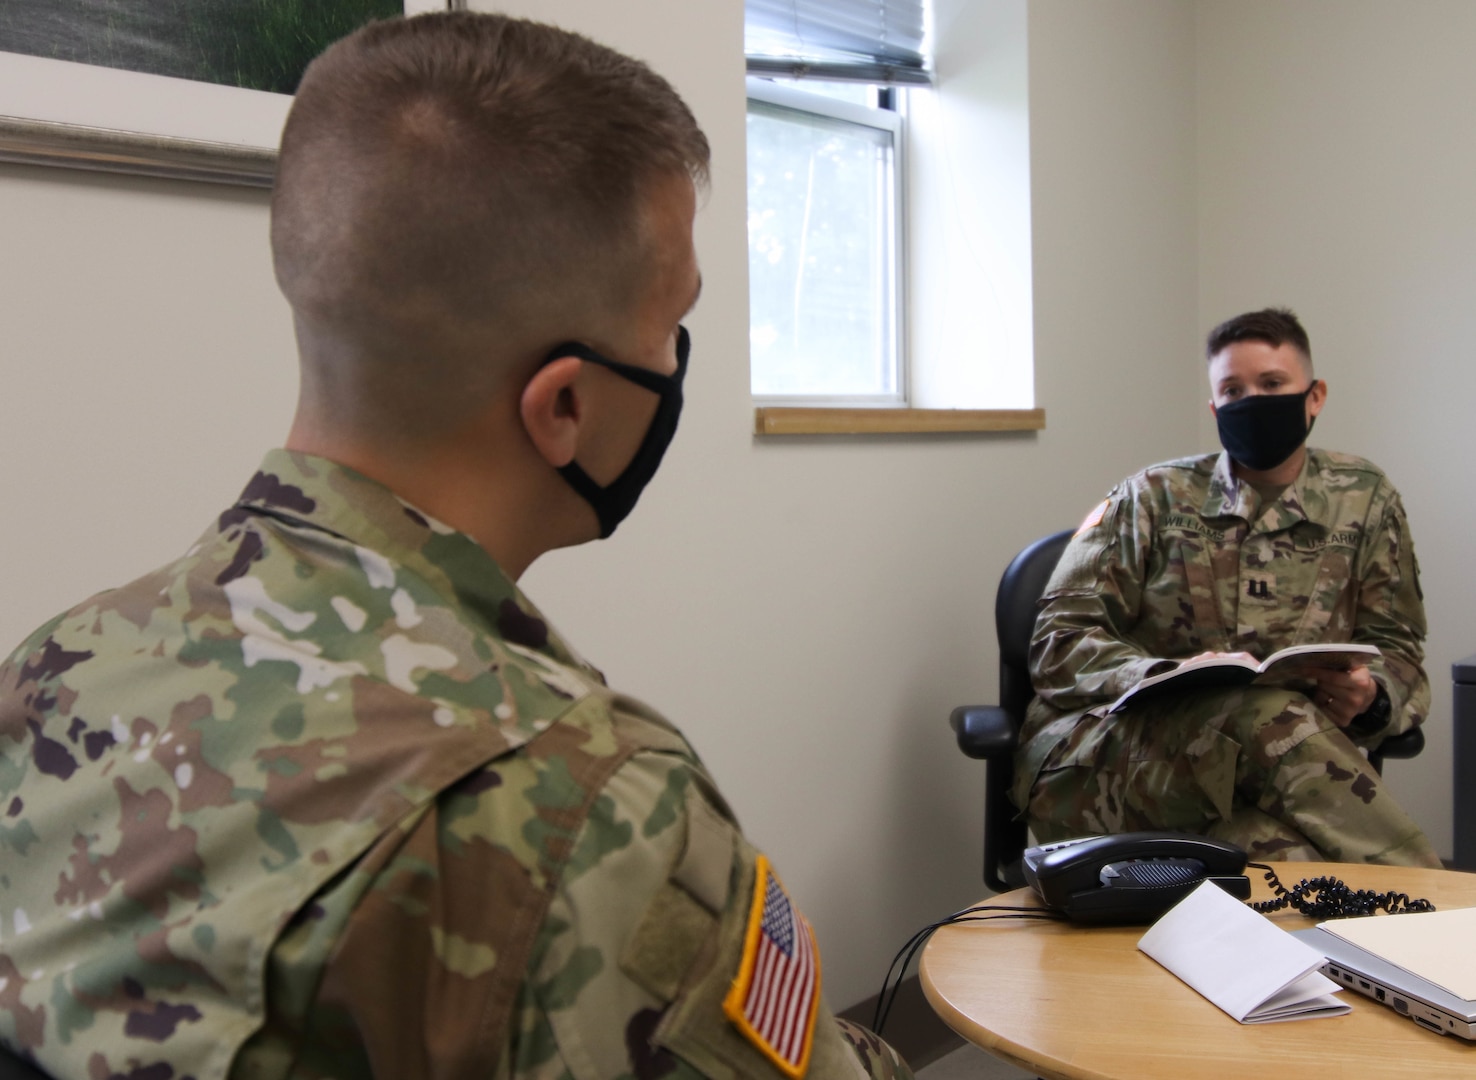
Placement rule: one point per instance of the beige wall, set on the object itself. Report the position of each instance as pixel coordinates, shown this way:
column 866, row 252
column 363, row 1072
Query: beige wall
column 808, row 610
column 1337, row 162
column 147, row 361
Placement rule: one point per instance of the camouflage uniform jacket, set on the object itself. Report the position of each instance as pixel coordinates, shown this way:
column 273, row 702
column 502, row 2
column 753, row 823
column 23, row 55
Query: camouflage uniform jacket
column 1182, row 558
column 327, row 797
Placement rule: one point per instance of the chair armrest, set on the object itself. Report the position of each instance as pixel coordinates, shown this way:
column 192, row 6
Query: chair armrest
column 1405, row 745
column 984, row 731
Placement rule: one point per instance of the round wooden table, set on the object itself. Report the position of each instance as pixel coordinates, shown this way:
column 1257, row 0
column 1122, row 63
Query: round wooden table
column 1071, row 1003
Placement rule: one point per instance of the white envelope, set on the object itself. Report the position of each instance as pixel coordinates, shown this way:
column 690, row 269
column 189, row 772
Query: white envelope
column 1240, row 960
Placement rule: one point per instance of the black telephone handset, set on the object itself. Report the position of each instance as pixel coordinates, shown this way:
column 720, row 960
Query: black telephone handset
column 1131, row 877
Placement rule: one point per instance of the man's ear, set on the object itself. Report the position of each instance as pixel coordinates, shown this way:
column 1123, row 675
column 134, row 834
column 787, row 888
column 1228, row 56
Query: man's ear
column 1317, row 398
column 1212, row 407
column 551, row 410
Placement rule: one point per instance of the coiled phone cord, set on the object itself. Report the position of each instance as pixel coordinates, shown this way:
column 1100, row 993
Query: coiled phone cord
column 1332, row 898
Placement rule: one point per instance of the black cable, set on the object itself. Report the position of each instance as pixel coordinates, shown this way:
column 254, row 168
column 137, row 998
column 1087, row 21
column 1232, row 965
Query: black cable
column 1331, row 898
column 917, row 940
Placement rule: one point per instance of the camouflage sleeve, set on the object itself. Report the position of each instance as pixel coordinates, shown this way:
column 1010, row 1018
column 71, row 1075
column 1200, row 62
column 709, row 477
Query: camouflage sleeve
column 1391, row 614
column 1081, row 654
column 645, row 939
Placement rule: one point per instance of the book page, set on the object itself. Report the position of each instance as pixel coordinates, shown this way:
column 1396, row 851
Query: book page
column 1299, row 667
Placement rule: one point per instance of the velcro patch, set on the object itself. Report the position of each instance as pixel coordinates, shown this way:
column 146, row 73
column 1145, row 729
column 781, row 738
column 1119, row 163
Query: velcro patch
column 777, row 993
column 1094, row 519
column 706, row 864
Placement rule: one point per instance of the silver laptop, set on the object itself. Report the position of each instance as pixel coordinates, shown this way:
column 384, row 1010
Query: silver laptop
column 1422, row 1001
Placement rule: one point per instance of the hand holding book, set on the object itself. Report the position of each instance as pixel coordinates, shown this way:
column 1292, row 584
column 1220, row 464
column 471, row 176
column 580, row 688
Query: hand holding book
column 1345, row 694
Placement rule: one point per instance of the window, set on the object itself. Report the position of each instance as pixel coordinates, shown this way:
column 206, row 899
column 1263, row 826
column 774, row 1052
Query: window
column 831, row 201
column 824, row 246
column 825, row 197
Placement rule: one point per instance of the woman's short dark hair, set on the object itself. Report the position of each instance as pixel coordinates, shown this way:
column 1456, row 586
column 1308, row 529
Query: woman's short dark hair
column 1274, row 326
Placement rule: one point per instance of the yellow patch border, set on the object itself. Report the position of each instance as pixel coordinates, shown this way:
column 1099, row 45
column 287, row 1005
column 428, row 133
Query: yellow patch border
column 738, row 992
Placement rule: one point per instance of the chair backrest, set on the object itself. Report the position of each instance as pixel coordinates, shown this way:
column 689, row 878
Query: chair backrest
column 1015, row 608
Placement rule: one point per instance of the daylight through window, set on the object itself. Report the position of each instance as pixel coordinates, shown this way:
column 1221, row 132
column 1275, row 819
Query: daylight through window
column 823, row 246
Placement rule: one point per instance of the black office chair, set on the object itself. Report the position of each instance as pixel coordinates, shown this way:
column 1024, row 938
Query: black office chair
column 990, row 732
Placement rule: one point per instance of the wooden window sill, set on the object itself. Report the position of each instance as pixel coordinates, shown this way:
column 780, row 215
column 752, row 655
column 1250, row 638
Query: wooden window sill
column 775, row 420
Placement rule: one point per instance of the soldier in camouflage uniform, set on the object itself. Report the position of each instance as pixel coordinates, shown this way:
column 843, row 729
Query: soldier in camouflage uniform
column 327, row 796
column 1266, row 545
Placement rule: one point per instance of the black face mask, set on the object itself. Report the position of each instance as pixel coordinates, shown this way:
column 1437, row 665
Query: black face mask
column 617, row 499
column 1263, row 430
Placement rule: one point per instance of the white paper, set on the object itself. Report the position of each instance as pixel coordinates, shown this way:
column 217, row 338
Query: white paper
column 1438, row 946
column 1240, row 960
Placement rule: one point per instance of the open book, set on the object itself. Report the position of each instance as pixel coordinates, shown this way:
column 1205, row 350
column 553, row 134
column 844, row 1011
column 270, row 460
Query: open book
column 1295, row 667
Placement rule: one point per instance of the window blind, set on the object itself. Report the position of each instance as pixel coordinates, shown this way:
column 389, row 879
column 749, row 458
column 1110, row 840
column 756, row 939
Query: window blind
column 875, row 41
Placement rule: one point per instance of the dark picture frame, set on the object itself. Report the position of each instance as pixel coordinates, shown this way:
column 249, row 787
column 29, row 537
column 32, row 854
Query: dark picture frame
column 82, row 116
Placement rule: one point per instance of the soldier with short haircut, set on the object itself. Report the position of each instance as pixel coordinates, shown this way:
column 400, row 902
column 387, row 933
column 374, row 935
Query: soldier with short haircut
column 1266, row 545
column 327, row 796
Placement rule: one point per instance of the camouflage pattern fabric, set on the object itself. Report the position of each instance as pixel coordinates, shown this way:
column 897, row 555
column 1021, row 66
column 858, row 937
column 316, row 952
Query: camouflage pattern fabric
column 1259, row 767
column 1182, row 559
column 327, row 797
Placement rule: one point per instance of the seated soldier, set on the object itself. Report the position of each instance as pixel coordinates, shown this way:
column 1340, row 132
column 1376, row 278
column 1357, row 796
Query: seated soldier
column 327, row 796
column 1266, row 545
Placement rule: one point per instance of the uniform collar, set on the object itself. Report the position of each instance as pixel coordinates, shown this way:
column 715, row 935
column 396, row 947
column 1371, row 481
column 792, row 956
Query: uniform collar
column 1305, row 499
column 321, row 494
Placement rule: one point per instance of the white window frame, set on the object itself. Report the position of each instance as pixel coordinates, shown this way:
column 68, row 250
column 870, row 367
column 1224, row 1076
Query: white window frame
column 890, row 121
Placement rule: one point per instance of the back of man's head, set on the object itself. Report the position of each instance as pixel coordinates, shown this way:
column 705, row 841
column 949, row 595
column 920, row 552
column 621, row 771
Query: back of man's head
column 456, row 191
column 1274, row 326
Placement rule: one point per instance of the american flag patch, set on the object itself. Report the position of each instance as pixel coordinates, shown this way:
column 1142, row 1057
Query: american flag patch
column 1092, row 520
column 777, row 992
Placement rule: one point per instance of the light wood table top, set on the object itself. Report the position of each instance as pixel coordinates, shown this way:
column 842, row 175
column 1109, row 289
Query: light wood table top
column 1082, row 1003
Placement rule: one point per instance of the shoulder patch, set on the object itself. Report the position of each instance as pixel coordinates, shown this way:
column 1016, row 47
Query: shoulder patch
column 1092, row 520
column 774, row 1000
